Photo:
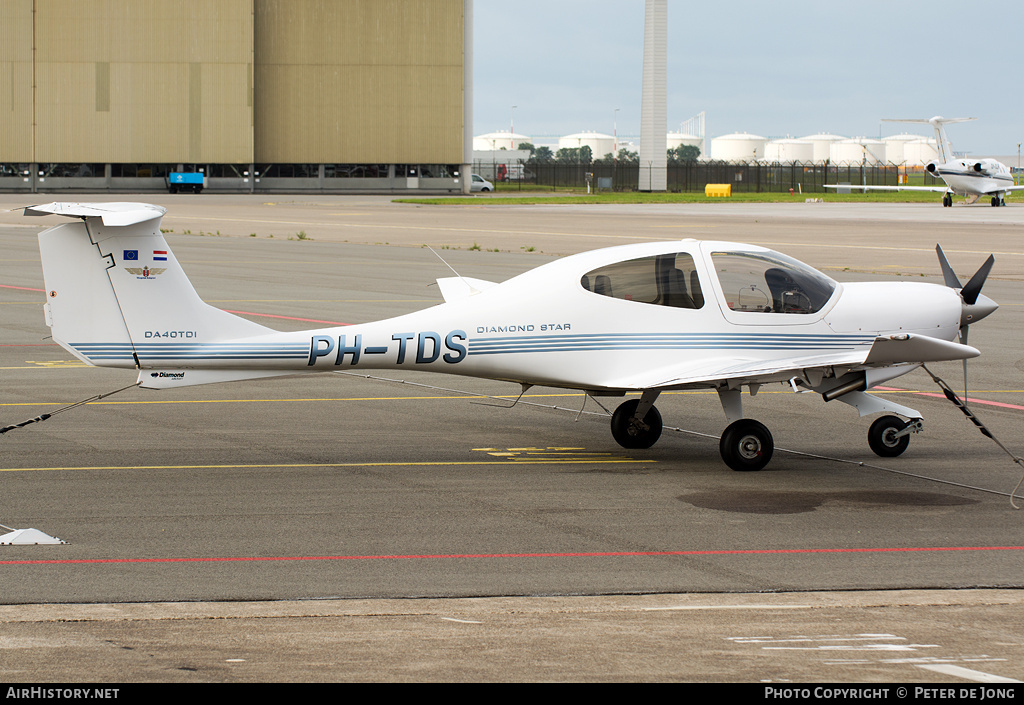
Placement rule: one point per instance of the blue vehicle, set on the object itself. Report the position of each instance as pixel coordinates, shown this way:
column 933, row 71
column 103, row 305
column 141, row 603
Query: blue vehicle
column 185, row 181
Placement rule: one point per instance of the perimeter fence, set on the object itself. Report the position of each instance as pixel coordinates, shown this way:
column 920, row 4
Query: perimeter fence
column 751, row 177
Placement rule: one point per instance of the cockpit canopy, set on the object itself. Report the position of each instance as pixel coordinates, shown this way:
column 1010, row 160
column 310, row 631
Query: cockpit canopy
column 664, row 280
column 753, row 282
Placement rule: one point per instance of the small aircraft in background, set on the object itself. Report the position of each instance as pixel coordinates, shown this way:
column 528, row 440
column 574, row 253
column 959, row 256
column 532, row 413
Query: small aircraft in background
column 641, row 318
column 973, row 178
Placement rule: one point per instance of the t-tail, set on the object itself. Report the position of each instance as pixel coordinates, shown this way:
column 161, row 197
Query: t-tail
column 939, row 124
column 117, row 297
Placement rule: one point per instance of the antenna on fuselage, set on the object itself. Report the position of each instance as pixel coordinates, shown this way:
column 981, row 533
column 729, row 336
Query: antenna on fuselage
column 472, row 289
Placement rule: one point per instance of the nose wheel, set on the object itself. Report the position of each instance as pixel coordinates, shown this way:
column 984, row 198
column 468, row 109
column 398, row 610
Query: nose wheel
column 746, row 445
column 889, row 436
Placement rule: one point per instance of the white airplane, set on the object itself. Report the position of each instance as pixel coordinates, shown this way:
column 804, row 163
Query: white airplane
column 637, row 318
column 971, row 178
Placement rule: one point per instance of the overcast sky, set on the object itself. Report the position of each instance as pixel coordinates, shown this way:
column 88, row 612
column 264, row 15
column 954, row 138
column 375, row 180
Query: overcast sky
column 774, row 69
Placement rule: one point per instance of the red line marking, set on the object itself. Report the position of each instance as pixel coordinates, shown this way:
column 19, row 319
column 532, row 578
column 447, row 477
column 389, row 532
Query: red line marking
column 23, row 288
column 593, row 554
column 936, row 395
column 290, row 318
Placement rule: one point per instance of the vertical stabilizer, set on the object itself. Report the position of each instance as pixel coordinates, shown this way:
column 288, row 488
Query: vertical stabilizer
column 116, row 294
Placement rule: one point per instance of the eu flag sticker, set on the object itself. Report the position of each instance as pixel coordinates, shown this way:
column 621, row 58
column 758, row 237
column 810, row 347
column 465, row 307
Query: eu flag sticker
column 131, row 255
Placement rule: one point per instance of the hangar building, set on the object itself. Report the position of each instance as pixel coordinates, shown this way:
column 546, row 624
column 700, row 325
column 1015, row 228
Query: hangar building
column 255, row 94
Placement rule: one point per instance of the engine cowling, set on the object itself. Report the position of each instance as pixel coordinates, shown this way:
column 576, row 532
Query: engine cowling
column 932, row 167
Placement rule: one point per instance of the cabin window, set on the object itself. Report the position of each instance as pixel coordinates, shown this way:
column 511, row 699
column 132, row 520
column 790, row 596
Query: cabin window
column 663, row 280
column 769, row 282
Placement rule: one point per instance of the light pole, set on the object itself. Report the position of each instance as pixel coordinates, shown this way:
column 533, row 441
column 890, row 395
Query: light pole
column 1018, row 164
column 512, row 128
column 615, row 136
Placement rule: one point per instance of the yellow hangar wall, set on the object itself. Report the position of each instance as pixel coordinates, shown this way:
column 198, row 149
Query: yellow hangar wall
column 231, row 81
column 132, row 80
column 359, row 81
column 16, row 81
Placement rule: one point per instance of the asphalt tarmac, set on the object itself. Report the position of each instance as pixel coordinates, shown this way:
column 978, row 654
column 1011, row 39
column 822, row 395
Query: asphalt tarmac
column 349, row 528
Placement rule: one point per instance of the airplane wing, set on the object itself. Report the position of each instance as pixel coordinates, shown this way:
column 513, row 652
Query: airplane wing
column 1004, row 189
column 886, row 350
column 935, row 189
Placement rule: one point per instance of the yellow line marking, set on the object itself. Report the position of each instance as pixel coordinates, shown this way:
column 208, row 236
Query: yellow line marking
column 55, row 363
column 554, row 454
column 272, row 466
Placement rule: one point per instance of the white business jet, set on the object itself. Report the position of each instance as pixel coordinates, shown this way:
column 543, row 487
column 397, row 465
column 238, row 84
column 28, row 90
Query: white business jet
column 972, row 178
column 637, row 318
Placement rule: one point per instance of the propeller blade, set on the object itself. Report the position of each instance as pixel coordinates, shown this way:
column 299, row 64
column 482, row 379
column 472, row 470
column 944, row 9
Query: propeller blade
column 973, row 287
column 948, row 275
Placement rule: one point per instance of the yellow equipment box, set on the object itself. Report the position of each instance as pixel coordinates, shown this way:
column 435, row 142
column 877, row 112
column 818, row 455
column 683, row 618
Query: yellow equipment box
column 718, row 190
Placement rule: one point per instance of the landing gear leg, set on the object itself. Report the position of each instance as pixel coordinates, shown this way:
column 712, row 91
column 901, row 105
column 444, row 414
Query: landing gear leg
column 637, row 423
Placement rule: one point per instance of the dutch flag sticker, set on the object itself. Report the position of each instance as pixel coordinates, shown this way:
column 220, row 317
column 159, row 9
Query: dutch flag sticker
column 160, row 255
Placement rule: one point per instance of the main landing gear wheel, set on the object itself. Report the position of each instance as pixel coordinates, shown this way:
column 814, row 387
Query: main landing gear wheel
column 947, row 201
column 882, row 436
column 746, row 445
column 631, row 434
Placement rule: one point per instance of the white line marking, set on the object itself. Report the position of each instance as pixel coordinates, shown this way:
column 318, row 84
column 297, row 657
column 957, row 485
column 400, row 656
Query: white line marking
column 967, row 673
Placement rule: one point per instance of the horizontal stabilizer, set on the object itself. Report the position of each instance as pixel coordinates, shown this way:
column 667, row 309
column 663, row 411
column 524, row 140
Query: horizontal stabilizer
column 112, row 214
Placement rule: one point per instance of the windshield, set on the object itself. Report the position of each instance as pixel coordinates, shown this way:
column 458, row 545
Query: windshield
column 770, row 282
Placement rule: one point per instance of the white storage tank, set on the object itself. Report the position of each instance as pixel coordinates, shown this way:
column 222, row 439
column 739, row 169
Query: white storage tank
column 822, row 145
column 894, row 152
column 789, row 151
column 920, row 151
column 502, row 139
column 738, row 147
column 600, row 144
column 678, row 139
column 858, row 150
